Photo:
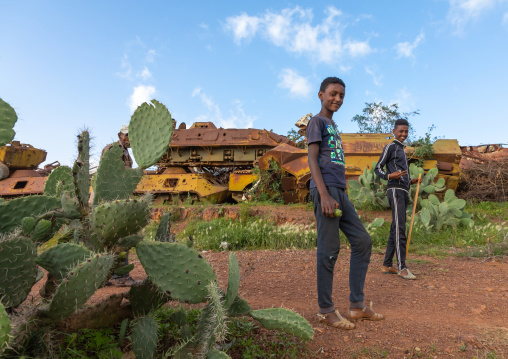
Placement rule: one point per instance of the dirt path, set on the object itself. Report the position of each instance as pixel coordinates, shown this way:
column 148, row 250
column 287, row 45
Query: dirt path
column 457, row 307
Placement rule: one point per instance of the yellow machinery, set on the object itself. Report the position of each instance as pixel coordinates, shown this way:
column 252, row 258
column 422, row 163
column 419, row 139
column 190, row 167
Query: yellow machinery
column 18, row 175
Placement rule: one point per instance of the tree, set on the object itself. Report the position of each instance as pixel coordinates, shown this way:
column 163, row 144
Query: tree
column 378, row 118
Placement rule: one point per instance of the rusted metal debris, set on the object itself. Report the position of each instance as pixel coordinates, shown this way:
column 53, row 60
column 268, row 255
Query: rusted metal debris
column 483, row 153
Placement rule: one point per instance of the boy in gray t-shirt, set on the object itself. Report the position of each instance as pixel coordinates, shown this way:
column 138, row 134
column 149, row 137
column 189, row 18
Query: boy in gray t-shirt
column 328, row 193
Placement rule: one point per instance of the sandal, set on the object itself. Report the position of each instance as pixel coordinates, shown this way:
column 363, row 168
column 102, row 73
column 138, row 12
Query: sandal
column 388, row 270
column 334, row 319
column 366, row 313
column 409, row 275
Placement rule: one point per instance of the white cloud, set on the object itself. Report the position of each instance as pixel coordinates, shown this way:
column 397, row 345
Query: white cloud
column 242, row 26
column 297, row 85
column 344, row 68
column 464, row 11
column 293, row 30
column 405, row 49
column 376, row 78
column 505, row 18
column 145, row 74
column 358, row 48
column 140, row 94
column 235, row 119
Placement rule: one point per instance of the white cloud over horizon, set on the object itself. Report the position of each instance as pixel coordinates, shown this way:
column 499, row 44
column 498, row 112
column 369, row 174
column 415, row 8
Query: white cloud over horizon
column 292, row 30
column 375, row 77
column 236, row 118
column 140, row 94
column 297, row 85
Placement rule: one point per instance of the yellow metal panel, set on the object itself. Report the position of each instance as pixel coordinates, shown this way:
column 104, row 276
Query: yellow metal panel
column 22, row 156
column 238, row 181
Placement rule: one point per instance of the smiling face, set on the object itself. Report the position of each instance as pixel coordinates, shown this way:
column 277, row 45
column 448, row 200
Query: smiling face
column 400, row 132
column 332, row 99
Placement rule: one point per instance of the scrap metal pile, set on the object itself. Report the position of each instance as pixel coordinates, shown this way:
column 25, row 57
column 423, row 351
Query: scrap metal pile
column 484, row 172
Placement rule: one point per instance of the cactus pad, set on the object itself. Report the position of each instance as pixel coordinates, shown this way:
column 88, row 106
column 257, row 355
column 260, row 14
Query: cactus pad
column 8, row 118
column 239, row 307
column 126, row 243
column 5, row 328
column 179, row 271
column 60, row 174
column 150, row 132
column 144, row 337
column 163, row 231
column 79, row 285
column 60, row 259
column 18, row 270
column 113, row 180
column 284, row 320
column 145, row 297
column 124, row 270
column 28, row 225
column 41, row 231
column 118, row 219
column 233, row 280
column 12, row 212
column 81, row 169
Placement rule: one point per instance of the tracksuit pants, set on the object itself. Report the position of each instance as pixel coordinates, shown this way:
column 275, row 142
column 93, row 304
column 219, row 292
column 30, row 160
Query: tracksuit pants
column 328, row 247
column 398, row 199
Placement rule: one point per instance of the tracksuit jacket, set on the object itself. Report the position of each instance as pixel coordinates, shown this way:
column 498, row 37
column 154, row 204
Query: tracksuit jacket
column 395, row 159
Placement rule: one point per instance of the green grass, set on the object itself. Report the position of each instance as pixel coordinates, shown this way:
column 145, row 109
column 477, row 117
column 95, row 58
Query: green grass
column 248, row 234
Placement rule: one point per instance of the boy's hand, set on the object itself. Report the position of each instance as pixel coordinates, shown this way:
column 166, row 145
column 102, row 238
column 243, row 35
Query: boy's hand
column 397, row 175
column 328, row 206
column 416, row 180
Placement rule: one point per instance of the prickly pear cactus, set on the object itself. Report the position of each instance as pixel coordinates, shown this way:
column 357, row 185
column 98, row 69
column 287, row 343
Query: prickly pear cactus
column 144, row 337
column 233, row 280
column 239, row 307
column 150, row 132
column 12, row 212
column 369, row 191
column 114, row 181
column 164, row 230
column 8, row 118
column 28, row 225
column 41, row 231
column 79, row 285
column 146, row 297
column 436, row 214
column 177, row 270
column 18, row 270
column 284, row 320
column 117, row 219
column 60, row 259
column 61, row 174
column 81, row 169
column 5, row 328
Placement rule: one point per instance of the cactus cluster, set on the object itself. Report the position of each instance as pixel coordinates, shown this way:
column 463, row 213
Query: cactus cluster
column 369, row 191
column 8, row 118
column 89, row 241
column 436, row 214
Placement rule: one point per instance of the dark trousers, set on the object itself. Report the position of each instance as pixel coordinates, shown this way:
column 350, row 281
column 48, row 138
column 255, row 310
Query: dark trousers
column 398, row 199
column 328, row 247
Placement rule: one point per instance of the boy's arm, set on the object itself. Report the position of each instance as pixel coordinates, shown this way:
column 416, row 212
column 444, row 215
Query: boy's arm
column 328, row 204
column 381, row 163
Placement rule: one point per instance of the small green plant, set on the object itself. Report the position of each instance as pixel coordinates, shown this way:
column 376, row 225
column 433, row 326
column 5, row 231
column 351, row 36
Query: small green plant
column 269, row 186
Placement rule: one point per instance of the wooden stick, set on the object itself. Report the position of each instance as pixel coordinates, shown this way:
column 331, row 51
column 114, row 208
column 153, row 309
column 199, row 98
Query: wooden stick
column 413, row 215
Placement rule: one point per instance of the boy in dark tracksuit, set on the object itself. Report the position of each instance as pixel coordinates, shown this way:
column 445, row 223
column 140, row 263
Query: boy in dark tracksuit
column 328, row 192
column 399, row 182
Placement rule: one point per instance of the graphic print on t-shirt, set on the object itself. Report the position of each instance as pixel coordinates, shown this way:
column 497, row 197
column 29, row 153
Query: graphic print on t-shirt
column 335, row 143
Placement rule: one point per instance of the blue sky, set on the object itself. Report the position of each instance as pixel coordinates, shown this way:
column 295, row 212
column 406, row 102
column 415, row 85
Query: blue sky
column 66, row 65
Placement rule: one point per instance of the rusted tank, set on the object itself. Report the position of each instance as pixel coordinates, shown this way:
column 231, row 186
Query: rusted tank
column 207, row 162
column 360, row 151
column 18, row 170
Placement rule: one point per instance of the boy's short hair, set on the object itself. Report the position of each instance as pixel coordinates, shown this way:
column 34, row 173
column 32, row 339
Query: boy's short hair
column 329, row 81
column 401, row 122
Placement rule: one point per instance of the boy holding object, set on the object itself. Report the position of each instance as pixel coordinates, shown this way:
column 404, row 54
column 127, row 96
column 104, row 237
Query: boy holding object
column 399, row 182
column 328, row 193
